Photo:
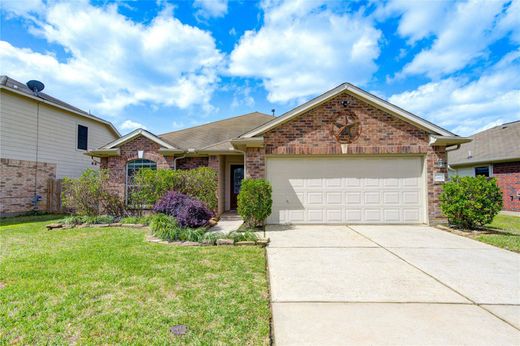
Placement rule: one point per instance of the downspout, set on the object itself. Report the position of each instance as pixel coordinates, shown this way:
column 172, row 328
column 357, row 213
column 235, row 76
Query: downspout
column 175, row 161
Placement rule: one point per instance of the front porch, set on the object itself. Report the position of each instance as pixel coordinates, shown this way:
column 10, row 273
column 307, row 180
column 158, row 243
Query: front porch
column 230, row 170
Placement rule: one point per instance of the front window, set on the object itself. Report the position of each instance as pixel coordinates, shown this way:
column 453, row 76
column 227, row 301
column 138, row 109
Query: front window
column 482, row 171
column 131, row 169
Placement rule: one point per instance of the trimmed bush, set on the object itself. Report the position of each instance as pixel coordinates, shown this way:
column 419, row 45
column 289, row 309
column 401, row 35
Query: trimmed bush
column 164, row 227
column 255, row 201
column 72, row 220
column 199, row 183
column 471, row 202
column 171, row 203
column 193, row 213
column 191, row 234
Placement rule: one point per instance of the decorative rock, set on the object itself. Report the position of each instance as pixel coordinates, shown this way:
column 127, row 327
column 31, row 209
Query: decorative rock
column 67, row 226
column 207, row 242
column 190, row 243
column 99, row 225
column 54, row 225
column 117, row 224
column 133, row 225
column 224, row 241
column 245, row 243
column 262, row 242
column 212, row 222
column 84, row 225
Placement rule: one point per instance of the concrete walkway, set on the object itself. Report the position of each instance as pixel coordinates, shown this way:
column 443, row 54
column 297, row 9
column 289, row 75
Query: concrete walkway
column 380, row 285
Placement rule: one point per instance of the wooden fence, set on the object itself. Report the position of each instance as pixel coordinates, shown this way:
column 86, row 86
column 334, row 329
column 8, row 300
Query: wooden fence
column 54, row 187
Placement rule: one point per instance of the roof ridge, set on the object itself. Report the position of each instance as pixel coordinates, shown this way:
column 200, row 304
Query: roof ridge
column 216, row 121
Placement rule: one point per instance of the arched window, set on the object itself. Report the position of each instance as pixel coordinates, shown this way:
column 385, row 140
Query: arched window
column 132, row 167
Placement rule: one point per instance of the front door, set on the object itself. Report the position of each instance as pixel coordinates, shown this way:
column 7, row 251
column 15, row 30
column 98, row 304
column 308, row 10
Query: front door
column 237, row 175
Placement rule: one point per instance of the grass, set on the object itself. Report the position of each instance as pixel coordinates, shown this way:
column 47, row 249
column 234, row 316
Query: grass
column 503, row 232
column 109, row 286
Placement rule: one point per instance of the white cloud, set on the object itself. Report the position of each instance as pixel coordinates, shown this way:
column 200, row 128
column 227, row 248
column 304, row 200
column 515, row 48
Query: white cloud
column 130, row 125
column 303, row 49
column 465, row 106
column 462, row 31
column 211, row 8
column 22, row 7
column 116, row 62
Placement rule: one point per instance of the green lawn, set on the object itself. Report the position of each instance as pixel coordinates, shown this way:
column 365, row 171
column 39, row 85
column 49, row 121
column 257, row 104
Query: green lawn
column 108, row 286
column 505, row 233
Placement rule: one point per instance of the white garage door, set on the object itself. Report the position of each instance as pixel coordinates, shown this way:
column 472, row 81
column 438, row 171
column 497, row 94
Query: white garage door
column 346, row 190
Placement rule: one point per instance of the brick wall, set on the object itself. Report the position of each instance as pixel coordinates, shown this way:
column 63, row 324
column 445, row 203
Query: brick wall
column 381, row 133
column 116, row 165
column 508, row 179
column 17, row 185
column 192, row 162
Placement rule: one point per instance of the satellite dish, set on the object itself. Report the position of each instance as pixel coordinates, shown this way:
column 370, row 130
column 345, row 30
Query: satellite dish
column 35, row 85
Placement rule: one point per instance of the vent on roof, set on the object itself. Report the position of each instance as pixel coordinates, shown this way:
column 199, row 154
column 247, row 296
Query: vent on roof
column 35, row 85
column 469, row 154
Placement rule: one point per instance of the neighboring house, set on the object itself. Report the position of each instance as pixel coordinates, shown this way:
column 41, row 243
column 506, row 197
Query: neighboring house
column 493, row 153
column 42, row 137
column 344, row 157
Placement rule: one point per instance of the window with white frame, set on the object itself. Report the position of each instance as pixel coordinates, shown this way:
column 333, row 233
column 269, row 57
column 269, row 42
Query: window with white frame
column 132, row 167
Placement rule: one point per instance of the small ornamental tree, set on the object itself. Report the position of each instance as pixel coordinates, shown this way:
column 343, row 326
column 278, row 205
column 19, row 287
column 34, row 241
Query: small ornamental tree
column 188, row 211
column 170, row 203
column 254, row 201
column 471, row 202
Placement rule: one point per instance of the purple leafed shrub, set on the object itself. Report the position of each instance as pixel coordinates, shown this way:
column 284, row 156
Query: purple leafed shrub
column 171, row 203
column 193, row 214
column 188, row 211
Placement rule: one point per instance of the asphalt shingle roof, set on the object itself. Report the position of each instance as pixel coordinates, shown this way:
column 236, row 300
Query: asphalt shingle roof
column 495, row 144
column 215, row 135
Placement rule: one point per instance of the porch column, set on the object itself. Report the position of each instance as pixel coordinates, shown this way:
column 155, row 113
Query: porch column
column 218, row 164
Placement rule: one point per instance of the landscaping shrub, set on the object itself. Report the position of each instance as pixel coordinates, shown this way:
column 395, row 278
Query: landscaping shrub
column 83, row 194
column 193, row 213
column 98, row 219
column 211, row 237
column 191, row 234
column 242, row 236
column 171, row 203
column 143, row 220
column 87, row 195
column 470, row 202
column 254, row 201
column 72, row 220
column 200, row 183
column 164, row 227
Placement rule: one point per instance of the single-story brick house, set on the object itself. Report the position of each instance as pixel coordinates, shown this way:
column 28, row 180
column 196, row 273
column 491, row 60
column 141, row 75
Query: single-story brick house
column 494, row 152
column 346, row 156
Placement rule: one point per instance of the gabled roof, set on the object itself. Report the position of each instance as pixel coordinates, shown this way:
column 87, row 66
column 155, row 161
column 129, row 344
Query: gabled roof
column 500, row 143
column 15, row 86
column 216, row 133
column 139, row 132
column 356, row 92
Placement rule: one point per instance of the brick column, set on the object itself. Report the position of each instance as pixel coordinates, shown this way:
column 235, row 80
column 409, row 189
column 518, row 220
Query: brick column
column 255, row 163
column 435, row 214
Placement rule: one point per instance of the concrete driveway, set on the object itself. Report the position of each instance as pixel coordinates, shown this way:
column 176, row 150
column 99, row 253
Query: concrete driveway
column 380, row 285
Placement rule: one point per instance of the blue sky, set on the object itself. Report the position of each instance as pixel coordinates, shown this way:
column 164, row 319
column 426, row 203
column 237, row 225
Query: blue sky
column 166, row 65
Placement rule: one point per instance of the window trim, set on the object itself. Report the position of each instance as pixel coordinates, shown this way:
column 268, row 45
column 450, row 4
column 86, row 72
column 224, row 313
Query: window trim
column 151, row 164
column 489, row 173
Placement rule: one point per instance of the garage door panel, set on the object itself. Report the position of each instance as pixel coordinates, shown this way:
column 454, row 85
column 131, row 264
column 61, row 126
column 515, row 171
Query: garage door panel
column 346, row 190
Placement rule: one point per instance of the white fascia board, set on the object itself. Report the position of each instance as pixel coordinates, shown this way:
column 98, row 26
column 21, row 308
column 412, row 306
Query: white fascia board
column 448, row 140
column 136, row 133
column 356, row 92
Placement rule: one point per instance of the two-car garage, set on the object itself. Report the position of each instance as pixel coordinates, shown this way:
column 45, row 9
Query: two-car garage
column 347, row 190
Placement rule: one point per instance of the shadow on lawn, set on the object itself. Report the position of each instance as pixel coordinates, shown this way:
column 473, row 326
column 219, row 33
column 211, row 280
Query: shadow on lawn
column 17, row 220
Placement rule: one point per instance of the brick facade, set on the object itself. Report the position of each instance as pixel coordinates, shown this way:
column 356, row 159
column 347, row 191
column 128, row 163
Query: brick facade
column 508, row 179
column 17, row 188
column 116, row 165
column 381, row 133
column 192, row 162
